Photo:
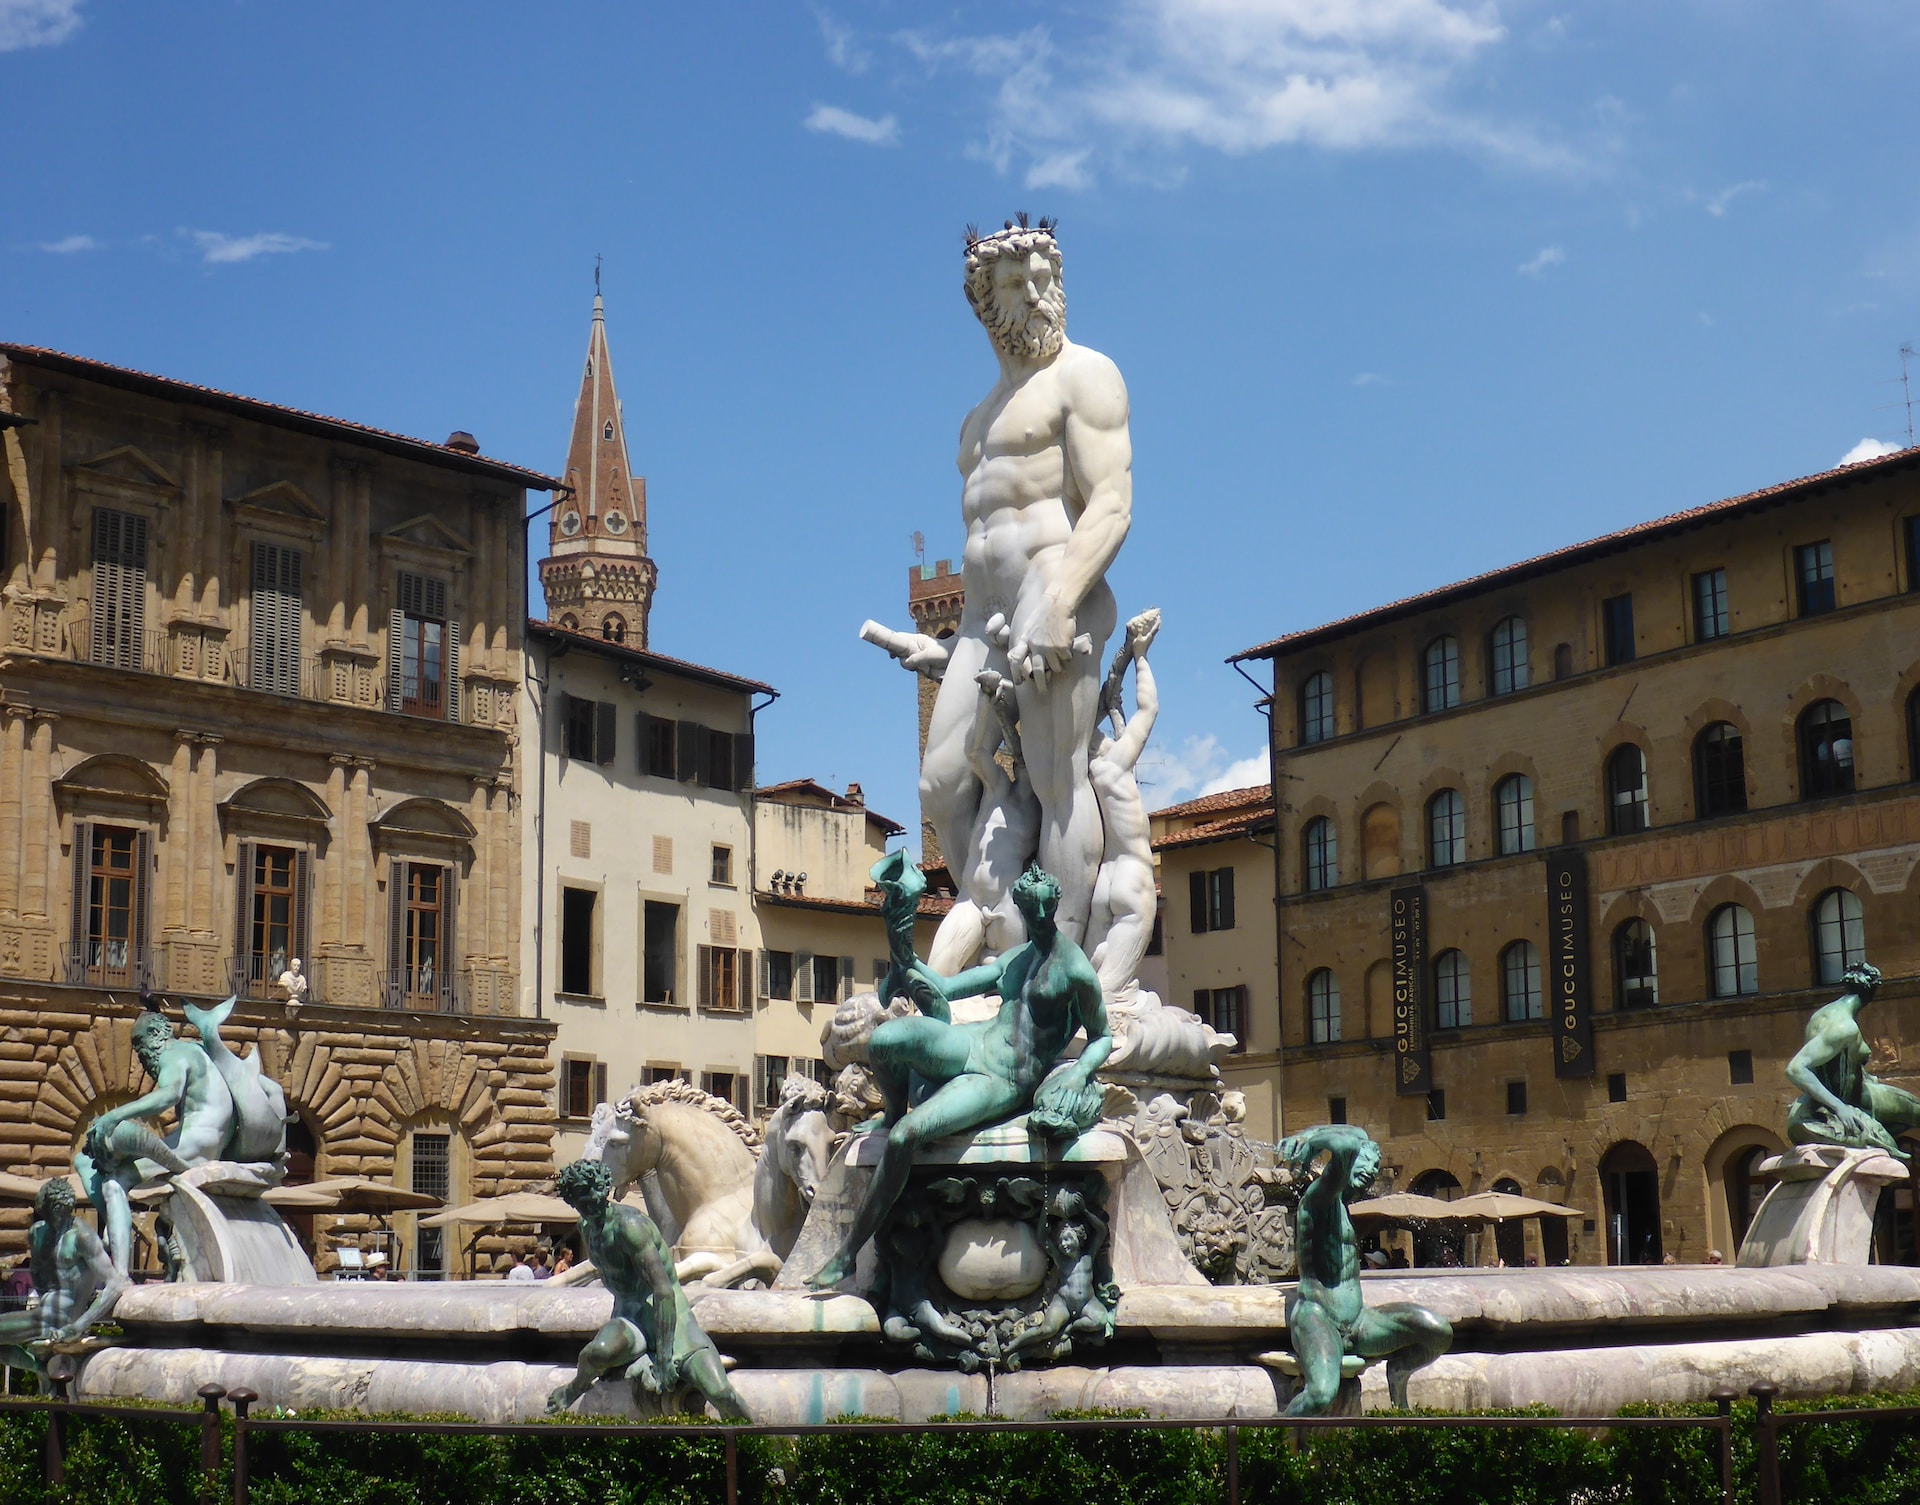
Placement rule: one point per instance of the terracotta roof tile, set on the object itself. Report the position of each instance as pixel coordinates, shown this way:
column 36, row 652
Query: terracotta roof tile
column 1226, row 799
column 271, row 412
column 1225, row 829
column 1572, row 554
column 834, row 801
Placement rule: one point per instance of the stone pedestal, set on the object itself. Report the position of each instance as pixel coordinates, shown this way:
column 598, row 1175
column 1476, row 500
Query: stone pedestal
column 1820, row 1210
column 225, row 1232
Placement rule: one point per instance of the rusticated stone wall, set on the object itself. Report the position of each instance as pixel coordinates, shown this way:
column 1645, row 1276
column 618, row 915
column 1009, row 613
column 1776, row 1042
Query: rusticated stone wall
column 360, row 1079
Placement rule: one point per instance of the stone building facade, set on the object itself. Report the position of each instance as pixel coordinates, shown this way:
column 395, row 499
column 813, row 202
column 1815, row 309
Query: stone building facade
column 936, row 597
column 1569, row 852
column 259, row 672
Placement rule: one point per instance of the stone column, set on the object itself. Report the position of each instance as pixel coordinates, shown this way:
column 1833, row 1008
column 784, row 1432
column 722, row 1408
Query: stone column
column 206, row 830
column 38, row 834
column 330, row 924
column 359, row 865
column 215, row 536
column 13, row 751
column 358, row 546
column 176, row 850
column 346, row 479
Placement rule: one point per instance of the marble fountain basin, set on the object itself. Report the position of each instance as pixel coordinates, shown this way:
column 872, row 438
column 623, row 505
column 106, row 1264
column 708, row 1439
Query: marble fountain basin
column 1582, row 1340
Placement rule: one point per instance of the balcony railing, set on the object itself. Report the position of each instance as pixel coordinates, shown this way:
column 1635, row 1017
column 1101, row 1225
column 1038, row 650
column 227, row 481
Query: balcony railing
column 422, row 990
column 108, row 964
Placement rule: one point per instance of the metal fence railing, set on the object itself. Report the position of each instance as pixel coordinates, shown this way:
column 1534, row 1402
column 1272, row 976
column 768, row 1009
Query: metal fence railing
column 228, row 1476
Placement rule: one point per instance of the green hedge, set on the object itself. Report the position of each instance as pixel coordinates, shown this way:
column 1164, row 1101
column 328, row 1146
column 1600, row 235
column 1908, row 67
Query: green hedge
column 132, row 1461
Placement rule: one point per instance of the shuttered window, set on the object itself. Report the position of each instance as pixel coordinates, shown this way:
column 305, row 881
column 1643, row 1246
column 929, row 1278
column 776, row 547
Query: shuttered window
column 119, row 588
column 274, row 649
column 423, row 650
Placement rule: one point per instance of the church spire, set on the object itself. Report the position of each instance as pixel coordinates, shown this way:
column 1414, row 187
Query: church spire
column 598, row 578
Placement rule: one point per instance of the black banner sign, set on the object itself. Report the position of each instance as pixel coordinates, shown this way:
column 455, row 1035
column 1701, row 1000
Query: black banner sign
column 1569, row 964
column 1412, row 1051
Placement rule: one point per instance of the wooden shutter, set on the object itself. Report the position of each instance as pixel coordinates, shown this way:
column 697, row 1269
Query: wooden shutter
column 396, row 649
column 742, row 760
column 565, row 706
column 82, row 865
column 1225, row 877
column 1197, row 902
column 803, row 977
column 242, row 915
column 762, row 991
column 642, row 741
column 449, row 962
column 119, row 588
column 605, row 714
column 690, row 739
column 396, row 918
column 302, row 888
column 599, row 1084
column 704, row 966
column 142, row 895
column 275, row 620
column 846, row 978
column 453, row 671
column 1203, row 1005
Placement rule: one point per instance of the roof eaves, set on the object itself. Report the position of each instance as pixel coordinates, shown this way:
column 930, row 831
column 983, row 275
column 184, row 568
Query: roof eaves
column 298, row 419
column 646, row 657
column 1579, row 553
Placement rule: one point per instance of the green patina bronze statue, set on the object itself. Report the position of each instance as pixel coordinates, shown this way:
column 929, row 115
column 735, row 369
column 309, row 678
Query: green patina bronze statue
column 1327, row 1316
column 1839, row 1103
column 983, row 1073
column 652, row 1337
column 74, row 1276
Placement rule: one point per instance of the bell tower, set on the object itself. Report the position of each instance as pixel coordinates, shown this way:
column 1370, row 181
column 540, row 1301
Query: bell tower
column 597, row 577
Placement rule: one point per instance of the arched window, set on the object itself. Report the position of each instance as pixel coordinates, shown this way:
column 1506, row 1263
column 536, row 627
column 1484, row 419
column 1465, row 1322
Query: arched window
column 1316, row 708
column 1826, row 750
column 613, row 627
column 570, row 622
column 1323, row 1007
column 1452, row 991
column 1626, row 791
column 1839, row 935
column 1719, row 771
column 1520, row 982
column 1322, row 852
column 606, row 431
column 1380, row 842
column 1635, row 981
column 1441, row 688
column 1507, row 656
column 1732, row 961
column 1563, row 660
column 1446, row 829
column 1513, row 801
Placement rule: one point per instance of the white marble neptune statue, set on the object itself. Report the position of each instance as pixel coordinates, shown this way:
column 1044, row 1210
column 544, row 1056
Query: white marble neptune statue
column 1047, row 496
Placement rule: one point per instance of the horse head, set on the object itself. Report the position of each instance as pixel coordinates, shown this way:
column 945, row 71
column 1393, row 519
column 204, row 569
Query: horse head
column 805, row 1134
column 624, row 1140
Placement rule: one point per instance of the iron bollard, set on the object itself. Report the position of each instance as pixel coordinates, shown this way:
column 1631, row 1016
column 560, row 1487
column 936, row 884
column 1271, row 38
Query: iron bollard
column 60, row 1372
column 1233, row 1466
column 733, row 1468
column 1766, row 1441
column 241, row 1398
column 210, row 1396
column 1724, row 1396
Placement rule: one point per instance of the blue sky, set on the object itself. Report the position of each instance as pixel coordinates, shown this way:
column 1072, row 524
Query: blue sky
column 1402, row 289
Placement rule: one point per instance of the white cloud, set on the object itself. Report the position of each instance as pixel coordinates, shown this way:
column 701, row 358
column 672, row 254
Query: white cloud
column 37, row 23
column 1200, row 765
column 1868, row 449
column 1717, row 203
column 1061, row 170
column 1369, row 379
column 1238, row 76
column 68, row 245
column 219, row 250
column 1550, row 256
column 830, row 120
column 843, row 46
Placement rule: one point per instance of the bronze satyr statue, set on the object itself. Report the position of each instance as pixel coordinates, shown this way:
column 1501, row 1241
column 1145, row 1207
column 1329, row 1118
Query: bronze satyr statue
column 1839, row 1103
column 652, row 1337
column 1327, row 1316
